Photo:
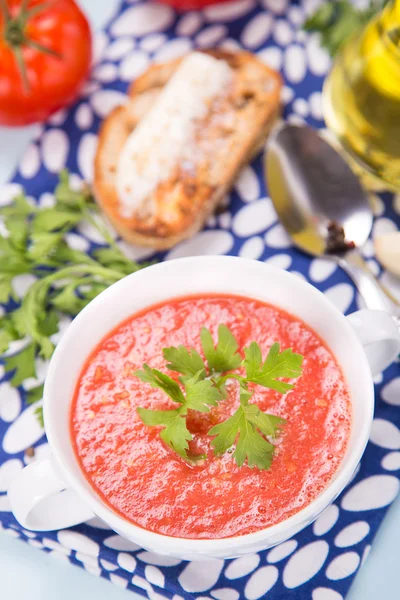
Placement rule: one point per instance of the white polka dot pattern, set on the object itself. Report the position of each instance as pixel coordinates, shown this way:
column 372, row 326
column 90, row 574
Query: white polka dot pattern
column 326, row 520
column 142, row 19
column 55, row 148
column 254, row 217
column 200, row 576
column 257, row 31
column 343, row 566
column 281, row 551
column 305, row 564
column 391, row 462
column 385, row 434
column 371, row 493
column 205, row 242
column 352, row 534
column 242, row 566
column 261, row 582
column 126, row 562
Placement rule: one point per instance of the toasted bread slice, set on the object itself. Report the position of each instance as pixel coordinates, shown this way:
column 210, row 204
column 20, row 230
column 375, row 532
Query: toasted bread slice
column 233, row 131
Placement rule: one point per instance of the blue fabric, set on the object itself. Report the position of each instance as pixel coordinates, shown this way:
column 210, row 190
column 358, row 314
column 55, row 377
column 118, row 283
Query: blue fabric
column 321, row 561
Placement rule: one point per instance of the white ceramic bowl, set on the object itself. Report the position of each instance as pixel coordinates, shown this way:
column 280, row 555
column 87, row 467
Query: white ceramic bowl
column 54, row 493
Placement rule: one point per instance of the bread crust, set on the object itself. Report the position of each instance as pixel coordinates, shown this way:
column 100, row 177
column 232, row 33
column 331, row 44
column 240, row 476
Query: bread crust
column 191, row 199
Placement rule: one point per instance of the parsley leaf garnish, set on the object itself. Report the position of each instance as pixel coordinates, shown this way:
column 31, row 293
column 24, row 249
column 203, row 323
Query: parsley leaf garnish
column 184, row 360
column 175, row 433
column 201, row 387
column 224, row 356
column 277, row 364
column 200, row 395
column 244, row 427
column 159, row 380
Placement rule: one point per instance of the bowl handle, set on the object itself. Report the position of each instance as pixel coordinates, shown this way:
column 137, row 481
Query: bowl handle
column 379, row 334
column 40, row 500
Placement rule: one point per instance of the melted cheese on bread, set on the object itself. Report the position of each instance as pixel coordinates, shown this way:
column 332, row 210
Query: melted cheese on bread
column 165, row 137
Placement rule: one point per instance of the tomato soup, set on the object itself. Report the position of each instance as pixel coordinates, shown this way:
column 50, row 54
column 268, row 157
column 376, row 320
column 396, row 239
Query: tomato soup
column 144, row 481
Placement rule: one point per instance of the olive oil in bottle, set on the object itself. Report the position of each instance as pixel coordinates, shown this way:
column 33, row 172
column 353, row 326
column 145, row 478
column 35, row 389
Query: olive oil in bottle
column 362, row 96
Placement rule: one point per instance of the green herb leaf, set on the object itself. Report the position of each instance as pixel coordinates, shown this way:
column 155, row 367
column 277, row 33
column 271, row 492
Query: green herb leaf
column 19, row 208
column 94, row 290
column 18, row 232
column 338, row 21
column 6, row 290
column 159, row 380
column 34, row 394
column 185, row 361
column 30, row 316
column 22, row 363
column 176, row 435
column 5, row 340
column 36, row 243
column 39, row 416
column 114, row 258
column 8, row 333
column 53, row 219
column 269, row 424
column 226, row 432
column 63, row 255
column 72, row 200
column 49, row 326
column 201, row 394
column 277, row 365
column 12, row 261
column 244, row 394
column 44, row 245
column 223, row 357
column 250, row 444
column 248, row 428
column 67, row 299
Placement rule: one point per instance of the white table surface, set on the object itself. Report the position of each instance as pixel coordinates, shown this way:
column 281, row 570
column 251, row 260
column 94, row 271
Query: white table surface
column 28, row 573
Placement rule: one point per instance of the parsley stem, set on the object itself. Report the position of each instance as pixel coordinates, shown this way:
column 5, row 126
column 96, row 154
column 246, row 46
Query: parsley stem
column 89, row 269
column 221, row 380
column 102, row 229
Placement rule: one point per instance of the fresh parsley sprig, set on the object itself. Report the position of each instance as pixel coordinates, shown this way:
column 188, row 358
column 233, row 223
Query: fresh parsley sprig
column 36, row 242
column 200, row 394
column 338, row 21
column 201, row 386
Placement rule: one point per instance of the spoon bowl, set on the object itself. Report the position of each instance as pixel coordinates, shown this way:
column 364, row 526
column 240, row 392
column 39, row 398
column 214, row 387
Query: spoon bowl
column 322, row 205
column 312, row 186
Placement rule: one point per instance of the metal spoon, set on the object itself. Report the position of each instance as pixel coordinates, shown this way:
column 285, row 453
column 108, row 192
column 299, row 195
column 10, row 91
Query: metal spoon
column 320, row 201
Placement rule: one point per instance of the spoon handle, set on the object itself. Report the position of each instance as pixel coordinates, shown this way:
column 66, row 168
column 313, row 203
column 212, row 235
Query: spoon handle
column 374, row 294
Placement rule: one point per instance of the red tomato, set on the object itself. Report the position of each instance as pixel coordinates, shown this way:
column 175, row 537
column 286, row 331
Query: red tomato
column 48, row 41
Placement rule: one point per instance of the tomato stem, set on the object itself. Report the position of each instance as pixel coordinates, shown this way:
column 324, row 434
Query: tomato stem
column 24, row 7
column 31, row 12
column 40, row 48
column 14, row 35
column 5, row 10
column 21, row 66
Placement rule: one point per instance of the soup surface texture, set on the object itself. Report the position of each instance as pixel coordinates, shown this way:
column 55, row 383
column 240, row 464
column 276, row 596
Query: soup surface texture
column 137, row 475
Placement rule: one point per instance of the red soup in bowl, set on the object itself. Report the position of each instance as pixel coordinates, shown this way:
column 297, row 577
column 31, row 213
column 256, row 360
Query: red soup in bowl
column 143, row 480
